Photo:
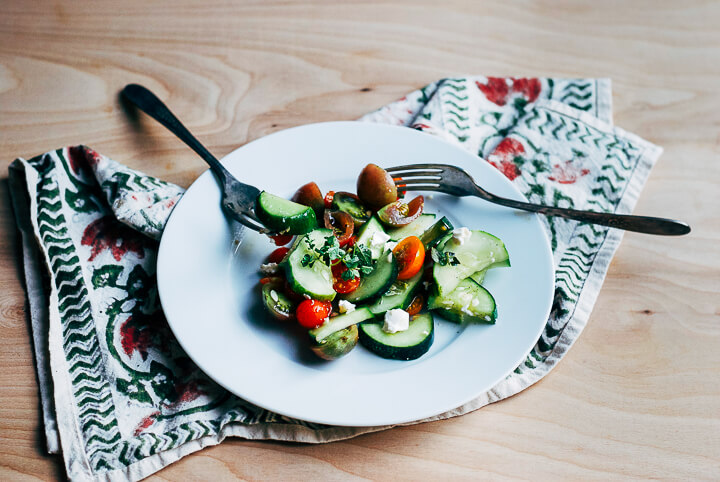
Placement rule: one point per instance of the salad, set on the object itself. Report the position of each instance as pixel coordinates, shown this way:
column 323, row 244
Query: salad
column 370, row 268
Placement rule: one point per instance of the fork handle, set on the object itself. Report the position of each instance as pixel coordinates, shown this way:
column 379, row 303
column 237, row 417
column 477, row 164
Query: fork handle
column 148, row 102
column 640, row 224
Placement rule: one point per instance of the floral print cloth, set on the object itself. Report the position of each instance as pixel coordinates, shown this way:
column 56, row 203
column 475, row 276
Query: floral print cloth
column 121, row 399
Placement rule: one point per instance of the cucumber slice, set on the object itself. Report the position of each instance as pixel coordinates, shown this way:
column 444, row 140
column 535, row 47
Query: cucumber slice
column 338, row 323
column 477, row 253
column 378, row 282
column 415, row 228
column 405, row 345
column 283, row 216
column 350, row 203
column 315, row 281
column 399, row 295
column 469, row 302
column 479, row 276
column 436, row 233
column 366, row 234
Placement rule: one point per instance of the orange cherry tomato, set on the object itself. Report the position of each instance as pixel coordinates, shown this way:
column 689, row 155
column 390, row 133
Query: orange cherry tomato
column 281, row 239
column 410, row 254
column 312, row 313
column 329, row 199
column 278, row 255
column 416, row 304
column 343, row 286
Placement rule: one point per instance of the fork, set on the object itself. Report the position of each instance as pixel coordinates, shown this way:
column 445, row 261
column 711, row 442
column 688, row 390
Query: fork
column 457, row 182
column 238, row 198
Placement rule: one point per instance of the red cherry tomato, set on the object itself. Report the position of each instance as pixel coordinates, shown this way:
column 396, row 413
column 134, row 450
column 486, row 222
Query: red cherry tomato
column 329, row 199
column 312, row 313
column 281, row 239
column 278, row 255
column 339, row 284
column 410, row 254
column 349, row 243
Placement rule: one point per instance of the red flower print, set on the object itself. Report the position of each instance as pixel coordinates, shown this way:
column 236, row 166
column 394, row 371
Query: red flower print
column 134, row 338
column 567, row 172
column 106, row 233
column 80, row 156
column 529, row 88
column 187, row 392
column 505, row 157
column 496, row 90
column 146, row 422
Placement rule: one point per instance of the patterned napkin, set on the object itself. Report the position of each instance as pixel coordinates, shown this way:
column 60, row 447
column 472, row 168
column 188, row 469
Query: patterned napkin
column 121, row 399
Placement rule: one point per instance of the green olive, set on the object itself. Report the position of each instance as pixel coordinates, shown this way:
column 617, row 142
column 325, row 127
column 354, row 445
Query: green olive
column 337, row 344
column 375, row 187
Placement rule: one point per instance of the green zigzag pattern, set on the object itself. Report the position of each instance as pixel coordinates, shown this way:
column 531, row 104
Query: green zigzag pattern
column 455, row 107
column 577, row 259
column 93, row 397
column 578, row 94
column 104, row 445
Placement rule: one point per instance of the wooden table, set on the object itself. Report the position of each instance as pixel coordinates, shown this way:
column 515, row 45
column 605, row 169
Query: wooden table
column 639, row 393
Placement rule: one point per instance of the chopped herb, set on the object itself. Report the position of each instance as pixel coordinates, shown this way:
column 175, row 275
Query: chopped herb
column 444, row 258
column 349, row 274
column 308, row 260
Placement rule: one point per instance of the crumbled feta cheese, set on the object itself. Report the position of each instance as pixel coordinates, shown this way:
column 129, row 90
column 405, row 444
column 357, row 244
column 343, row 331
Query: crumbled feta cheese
column 379, row 239
column 460, row 235
column 344, row 306
column 269, row 268
column 274, row 295
column 390, row 245
column 396, row 320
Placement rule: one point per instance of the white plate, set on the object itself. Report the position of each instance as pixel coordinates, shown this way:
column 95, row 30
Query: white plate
column 209, row 290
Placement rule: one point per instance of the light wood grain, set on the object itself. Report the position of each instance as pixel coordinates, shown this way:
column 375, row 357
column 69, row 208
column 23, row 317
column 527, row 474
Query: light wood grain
column 638, row 396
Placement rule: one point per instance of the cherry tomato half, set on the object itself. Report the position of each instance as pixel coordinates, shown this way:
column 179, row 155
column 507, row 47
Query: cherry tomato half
column 329, row 199
column 281, row 239
column 416, row 304
column 312, row 313
column 341, row 224
column 410, row 254
column 278, row 255
column 340, row 285
column 349, row 243
column 401, row 214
